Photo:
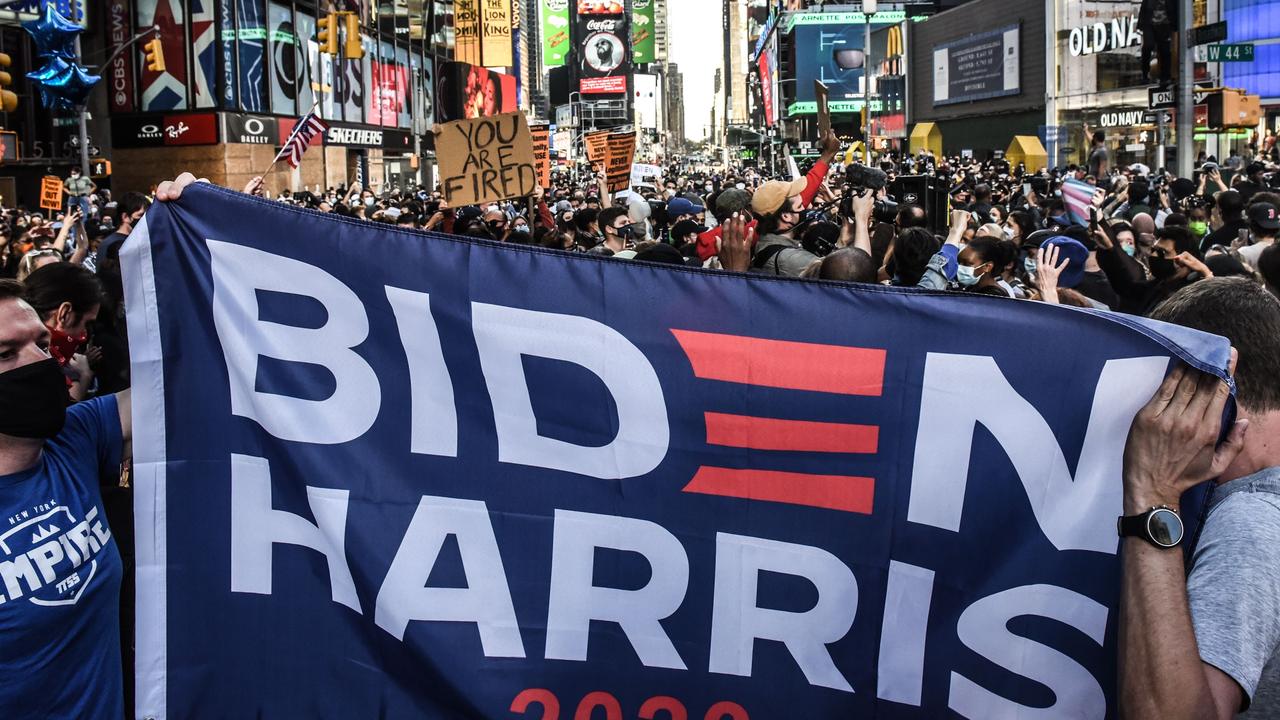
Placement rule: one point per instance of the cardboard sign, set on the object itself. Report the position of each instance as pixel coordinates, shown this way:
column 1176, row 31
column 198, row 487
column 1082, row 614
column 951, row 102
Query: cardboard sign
column 542, row 152
column 51, row 193
column 617, row 166
column 486, row 159
column 824, row 108
column 597, row 146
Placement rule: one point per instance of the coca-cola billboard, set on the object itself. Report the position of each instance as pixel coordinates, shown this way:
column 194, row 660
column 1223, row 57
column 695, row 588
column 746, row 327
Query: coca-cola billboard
column 119, row 74
column 604, row 53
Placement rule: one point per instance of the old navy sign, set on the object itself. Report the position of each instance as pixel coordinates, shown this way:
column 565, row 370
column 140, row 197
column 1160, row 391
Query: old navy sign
column 1119, row 33
column 491, row 481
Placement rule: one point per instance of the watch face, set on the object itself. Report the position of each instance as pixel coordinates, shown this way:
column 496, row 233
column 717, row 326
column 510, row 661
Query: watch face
column 1164, row 527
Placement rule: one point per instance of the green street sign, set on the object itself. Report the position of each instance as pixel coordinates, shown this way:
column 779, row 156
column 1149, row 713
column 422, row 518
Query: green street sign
column 1238, row 52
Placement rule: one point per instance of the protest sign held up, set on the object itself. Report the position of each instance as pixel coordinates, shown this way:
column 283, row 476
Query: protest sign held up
column 486, row 159
column 51, row 193
column 597, row 145
column 542, row 152
column 621, row 152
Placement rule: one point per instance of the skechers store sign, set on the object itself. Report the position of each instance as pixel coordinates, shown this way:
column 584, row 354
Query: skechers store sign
column 1120, row 33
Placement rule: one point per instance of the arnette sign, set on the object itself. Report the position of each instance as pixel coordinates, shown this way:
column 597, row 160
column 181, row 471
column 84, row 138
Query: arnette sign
column 1120, row 33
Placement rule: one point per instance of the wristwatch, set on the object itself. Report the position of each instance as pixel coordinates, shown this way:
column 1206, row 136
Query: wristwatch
column 1161, row 526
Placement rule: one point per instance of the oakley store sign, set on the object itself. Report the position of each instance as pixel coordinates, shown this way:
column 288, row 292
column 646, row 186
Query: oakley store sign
column 1118, row 34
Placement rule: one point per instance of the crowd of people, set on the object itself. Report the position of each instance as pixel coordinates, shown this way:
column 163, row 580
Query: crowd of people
column 1198, row 251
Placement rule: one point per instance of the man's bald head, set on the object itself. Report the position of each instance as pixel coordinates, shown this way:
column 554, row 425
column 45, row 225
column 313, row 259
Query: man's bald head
column 848, row 264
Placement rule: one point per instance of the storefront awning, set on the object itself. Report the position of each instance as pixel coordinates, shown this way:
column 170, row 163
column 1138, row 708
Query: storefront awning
column 1026, row 149
column 926, row 136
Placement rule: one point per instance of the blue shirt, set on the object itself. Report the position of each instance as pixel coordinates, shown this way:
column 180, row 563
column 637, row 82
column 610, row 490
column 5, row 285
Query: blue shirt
column 60, row 574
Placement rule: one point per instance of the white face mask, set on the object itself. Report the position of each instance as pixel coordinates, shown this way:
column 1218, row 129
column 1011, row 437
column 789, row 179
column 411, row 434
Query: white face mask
column 741, row 186
column 1008, row 233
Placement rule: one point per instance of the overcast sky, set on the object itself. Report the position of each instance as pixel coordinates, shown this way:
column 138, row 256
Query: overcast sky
column 697, row 45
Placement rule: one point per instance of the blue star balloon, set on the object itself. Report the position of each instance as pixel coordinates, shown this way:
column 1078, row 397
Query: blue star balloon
column 54, row 35
column 74, row 88
column 63, row 85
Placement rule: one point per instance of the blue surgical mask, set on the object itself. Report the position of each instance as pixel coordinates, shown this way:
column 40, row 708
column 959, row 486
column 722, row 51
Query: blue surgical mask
column 1029, row 264
column 1129, row 250
column 967, row 276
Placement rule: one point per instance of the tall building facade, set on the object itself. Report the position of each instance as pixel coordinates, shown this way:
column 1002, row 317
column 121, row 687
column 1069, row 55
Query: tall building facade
column 661, row 30
column 737, row 58
column 675, row 135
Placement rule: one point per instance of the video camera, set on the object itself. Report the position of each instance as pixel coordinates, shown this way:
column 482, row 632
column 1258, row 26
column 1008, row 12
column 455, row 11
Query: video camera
column 860, row 180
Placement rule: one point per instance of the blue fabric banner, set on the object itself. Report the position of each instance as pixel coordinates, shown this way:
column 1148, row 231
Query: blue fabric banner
column 392, row 474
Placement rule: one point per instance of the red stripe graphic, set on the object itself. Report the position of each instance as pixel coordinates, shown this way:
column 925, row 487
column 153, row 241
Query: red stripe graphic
column 742, row 431
column 833, row 492
column 784, row 364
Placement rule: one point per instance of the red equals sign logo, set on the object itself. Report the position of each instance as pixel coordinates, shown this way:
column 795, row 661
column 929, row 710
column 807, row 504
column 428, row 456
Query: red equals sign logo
column 789, row 366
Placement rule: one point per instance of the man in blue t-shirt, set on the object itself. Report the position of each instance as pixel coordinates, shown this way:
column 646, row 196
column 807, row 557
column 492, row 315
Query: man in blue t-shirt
column 60, row 568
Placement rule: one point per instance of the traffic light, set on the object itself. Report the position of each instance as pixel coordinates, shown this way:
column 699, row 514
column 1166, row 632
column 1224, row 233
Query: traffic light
column 8, row 100
column 351, row 48
column 327, row 34
column 153, row 53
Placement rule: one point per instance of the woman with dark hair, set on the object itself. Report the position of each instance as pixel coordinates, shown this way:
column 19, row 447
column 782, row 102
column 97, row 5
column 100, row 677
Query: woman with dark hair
column 67, row 298
column 982, row 263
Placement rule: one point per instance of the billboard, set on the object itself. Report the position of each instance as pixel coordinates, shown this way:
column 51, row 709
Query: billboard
column 642, row 29
column 980, row 66
column 1254, row 22
column 767, row 65
column 555, row 32
column 495, row 26
column 120, row 71
column 166, row 90
column 603, row 59
column 814, row 44
column 471, row 91
column 466, row 31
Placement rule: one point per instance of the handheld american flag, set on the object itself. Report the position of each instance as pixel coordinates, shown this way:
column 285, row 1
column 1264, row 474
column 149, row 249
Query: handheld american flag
column 309, row 127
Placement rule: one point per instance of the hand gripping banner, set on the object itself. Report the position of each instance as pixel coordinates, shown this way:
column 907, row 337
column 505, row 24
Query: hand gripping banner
column 392, row 474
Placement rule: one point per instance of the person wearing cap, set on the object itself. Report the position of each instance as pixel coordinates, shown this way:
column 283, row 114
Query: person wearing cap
column 1264, row 225
column 1092, row 283
column 728, row 202
column 1075, row 257
column 681, row 208
column 777, row 205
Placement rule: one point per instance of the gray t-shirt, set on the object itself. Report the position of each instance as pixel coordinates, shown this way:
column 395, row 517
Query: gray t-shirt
column 1097, row 159
column 1234, row 586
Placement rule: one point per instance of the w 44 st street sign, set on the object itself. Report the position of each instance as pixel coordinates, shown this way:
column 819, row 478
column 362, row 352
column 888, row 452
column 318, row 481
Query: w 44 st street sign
column 1237, row 52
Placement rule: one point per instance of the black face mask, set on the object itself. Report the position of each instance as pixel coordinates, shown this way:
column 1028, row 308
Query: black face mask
column 1162, row 268
column 33, row 400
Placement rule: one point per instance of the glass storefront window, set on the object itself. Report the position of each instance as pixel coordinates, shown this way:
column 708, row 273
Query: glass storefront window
column 1105, row 46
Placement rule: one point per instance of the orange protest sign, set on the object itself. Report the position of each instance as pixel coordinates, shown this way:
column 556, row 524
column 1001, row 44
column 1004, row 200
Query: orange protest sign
column 51, row 193
column 617, row 166
column 597, row 145
column 542, row 152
